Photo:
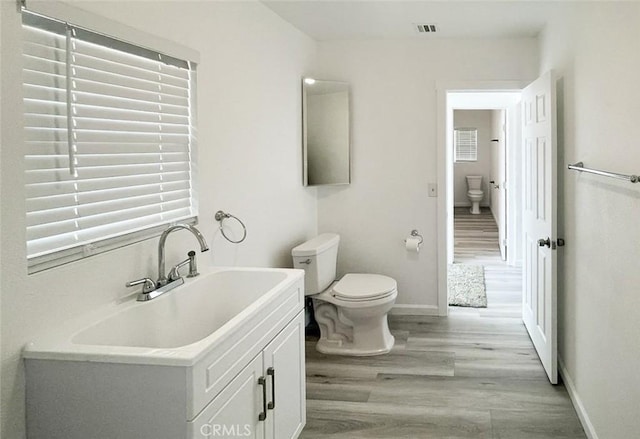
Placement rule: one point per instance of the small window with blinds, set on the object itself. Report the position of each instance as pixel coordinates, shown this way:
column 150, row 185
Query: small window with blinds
column 466, row 144
column 109, row 142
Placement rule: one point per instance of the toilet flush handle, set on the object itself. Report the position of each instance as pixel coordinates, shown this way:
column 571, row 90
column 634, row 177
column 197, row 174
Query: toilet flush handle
column 308, row 261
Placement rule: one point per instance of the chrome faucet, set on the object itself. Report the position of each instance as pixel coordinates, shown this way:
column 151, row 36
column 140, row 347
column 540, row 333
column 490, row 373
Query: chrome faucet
column 151, row 289
column 162, row 278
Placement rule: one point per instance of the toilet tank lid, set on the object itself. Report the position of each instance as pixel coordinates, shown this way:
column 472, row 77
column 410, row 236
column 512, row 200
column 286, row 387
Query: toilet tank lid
column 317, row 245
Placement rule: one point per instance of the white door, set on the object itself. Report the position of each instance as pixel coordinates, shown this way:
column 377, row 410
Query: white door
column 539, row 219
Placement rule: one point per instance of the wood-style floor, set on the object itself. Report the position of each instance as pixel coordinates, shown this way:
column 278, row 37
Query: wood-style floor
column 476, row 242
column 473, row 374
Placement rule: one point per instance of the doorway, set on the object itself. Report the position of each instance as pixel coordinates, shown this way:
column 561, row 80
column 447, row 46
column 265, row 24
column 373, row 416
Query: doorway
column 499, row 103
column 480, row 281
column 495, row 113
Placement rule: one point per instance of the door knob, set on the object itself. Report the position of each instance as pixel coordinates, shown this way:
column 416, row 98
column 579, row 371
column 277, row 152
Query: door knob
column 544, row 242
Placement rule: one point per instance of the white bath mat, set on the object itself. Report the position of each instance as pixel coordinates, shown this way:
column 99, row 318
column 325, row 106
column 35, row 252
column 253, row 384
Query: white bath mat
column 466, row 286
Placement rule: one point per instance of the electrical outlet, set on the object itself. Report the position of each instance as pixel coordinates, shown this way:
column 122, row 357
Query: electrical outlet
column 433, row 190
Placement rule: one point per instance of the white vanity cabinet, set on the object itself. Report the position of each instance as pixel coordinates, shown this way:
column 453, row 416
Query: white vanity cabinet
column 245, row 380
column 267, row 398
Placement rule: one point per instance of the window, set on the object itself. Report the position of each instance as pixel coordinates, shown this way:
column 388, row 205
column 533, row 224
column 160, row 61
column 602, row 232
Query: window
column 466, row 144
column 109, row 142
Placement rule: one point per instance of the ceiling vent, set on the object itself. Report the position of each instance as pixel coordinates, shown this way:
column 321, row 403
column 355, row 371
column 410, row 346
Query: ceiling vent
column 426, row 28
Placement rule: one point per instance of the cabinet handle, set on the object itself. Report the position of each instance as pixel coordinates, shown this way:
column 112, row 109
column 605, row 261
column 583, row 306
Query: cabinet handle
column 272, row 372
column 263, row 382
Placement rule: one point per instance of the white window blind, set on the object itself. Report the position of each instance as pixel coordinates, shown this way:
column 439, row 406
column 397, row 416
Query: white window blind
column 466, row 144
column 108, row 139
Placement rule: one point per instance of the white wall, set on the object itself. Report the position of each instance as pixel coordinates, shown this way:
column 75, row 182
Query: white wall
column 599, row 300
column 480, row 119
column 393, row 89
column 249, row 112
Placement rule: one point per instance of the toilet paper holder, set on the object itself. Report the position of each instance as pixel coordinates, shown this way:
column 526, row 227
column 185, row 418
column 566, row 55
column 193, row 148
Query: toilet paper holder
column 415, row 233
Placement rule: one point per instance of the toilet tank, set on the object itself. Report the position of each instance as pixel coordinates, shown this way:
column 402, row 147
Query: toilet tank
column 474, row 182
column 318, row 258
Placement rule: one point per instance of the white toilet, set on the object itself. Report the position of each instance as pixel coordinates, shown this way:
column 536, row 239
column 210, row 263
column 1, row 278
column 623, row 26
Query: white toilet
column 475, row 192
column 351, row 312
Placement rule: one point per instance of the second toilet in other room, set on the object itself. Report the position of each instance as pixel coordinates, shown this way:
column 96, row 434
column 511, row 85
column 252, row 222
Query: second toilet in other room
column 474, row 192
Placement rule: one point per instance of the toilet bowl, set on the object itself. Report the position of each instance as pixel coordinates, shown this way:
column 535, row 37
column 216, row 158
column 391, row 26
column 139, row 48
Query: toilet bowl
column 351, row 312
column 475, row 192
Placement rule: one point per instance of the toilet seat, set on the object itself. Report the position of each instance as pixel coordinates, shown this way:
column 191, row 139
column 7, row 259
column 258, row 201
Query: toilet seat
column 363, row 287
column 473, row 192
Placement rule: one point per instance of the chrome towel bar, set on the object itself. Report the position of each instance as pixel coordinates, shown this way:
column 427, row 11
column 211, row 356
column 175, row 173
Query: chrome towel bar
column 580, row 167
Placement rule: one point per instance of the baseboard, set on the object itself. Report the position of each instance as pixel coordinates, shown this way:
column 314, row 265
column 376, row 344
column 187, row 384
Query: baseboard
column 414, row 310
column 577, row 402
column 493, row 214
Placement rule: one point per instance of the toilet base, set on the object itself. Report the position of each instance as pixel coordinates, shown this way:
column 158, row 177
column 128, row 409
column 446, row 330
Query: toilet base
column 340, row 347
column 475, row 208
column 361, row 330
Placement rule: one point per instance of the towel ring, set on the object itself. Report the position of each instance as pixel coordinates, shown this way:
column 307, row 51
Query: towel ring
column 220, row 216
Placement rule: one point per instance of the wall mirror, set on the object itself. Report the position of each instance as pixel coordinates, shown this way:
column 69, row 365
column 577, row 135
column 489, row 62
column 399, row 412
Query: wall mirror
column 325, row 132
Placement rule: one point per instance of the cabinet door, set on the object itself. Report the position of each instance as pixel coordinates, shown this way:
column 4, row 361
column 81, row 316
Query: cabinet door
column 235, row 411
column 284, row 366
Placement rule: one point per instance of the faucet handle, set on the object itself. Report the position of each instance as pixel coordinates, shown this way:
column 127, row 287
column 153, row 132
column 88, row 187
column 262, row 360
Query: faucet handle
column 148, row 285
column 174, row 273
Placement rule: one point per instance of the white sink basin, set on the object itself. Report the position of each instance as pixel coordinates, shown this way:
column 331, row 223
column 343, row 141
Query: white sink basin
column 196, row 310
column 173, row 329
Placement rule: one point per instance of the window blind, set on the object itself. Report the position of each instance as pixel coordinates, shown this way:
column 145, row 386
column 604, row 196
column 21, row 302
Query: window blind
column 466, row 144
column 108, row 138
